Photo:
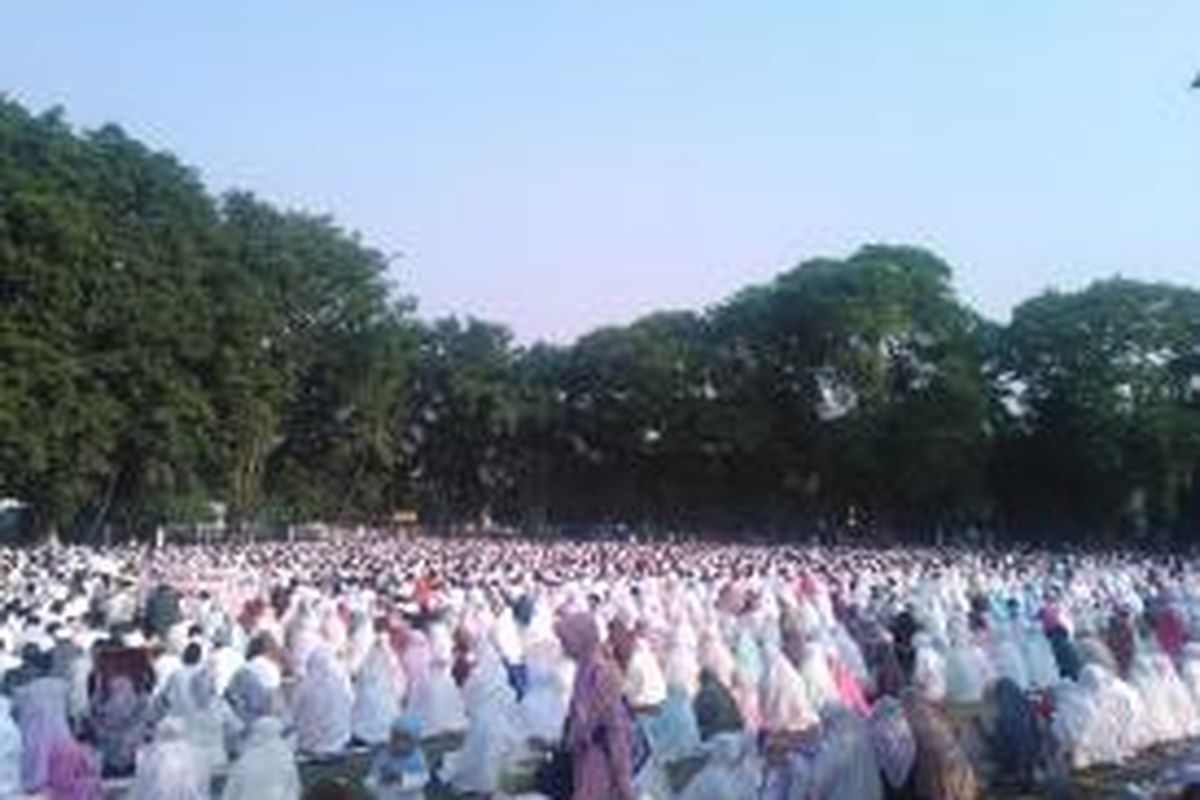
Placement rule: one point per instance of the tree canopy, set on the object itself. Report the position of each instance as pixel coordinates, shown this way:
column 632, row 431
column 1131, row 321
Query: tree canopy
column 167, row 352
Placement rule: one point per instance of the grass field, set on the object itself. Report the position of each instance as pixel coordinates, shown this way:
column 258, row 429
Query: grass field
column 1102, row 783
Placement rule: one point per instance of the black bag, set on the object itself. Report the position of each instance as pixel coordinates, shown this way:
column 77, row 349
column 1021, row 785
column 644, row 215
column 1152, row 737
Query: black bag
column 555, row 777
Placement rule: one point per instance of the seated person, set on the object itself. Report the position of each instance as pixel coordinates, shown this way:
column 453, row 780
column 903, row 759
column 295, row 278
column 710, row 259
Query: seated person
column 398, row 770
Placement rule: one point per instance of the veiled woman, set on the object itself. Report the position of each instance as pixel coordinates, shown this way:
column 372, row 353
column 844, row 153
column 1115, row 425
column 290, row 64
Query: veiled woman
column 598, row 734
column 943, row 771
column 41, row 711
column 378, row 695
column 171, row 768
column 266, row 769
column 322, row 706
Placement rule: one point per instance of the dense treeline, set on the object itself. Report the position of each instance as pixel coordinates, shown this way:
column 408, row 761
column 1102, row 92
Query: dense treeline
column 163, row 349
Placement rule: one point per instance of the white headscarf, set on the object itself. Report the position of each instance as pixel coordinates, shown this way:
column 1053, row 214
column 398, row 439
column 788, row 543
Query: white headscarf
column 818, row 678
column 929, row 670
column 267, row 768
column 494, row 738
column 845, row 766
column 683, row 668
column 1171, row 714
column 1190, row 671
column 507, row 639
column 967, row 672
column 787, row 705
column 1121, row 710
column 377, row 699
column 204, row 713
column 716, row 657
column 1007, row 657
column 170, row 767
column 266, row 671
column 322, row 706
column 302, row 637
column 1039, row 659
column 165, row 666
column 544, row 706
column 224, row 661
column 437, row 702
column 732, row 771
column 645, row 685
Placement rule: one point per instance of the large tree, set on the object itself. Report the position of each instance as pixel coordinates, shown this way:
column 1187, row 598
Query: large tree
column 311, row 370
column 1104, row 426
column 162, row 349
column 854, row 390
column 630, row 446
column 104, row 249
column 463, row 420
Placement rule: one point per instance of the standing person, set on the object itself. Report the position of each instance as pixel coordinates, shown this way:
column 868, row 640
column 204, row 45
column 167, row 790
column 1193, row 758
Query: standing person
column 598, row 736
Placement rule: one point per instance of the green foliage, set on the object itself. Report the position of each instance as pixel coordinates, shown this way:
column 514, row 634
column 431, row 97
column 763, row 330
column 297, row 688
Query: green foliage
column 163, row 349
column 462, row 420
column 1105, row 423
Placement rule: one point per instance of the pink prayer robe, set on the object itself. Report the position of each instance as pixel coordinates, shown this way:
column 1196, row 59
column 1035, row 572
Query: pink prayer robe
column 597, row 733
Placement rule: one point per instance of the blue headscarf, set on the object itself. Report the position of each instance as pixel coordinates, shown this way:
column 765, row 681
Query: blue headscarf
column 389, row 764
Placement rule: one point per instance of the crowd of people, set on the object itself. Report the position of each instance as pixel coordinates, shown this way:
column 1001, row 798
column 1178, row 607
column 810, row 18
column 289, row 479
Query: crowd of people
column 587, row 671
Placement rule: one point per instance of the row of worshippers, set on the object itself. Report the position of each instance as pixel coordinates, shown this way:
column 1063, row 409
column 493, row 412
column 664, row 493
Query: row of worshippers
column 778, row 685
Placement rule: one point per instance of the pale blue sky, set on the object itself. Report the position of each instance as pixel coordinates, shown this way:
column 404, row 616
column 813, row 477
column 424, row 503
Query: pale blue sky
column 559, row 165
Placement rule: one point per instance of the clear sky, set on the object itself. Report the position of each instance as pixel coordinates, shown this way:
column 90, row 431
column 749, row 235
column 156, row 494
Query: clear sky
column 559, row 165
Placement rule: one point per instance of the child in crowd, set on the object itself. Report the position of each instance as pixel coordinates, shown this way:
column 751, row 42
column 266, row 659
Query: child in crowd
column 398, row 771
